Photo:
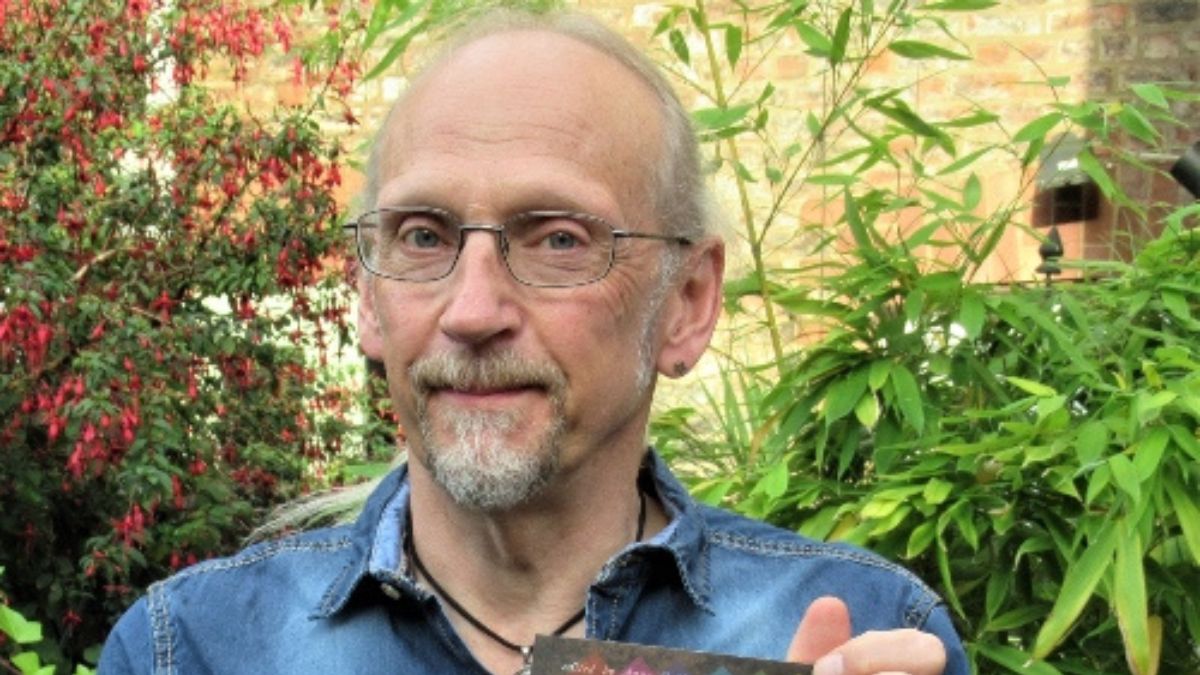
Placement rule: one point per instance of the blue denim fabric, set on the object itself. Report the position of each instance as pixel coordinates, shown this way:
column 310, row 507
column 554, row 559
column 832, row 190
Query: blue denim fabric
column 341, row 600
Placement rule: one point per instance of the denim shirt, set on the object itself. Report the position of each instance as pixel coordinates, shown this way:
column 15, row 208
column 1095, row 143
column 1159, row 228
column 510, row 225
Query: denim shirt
column 342, row 600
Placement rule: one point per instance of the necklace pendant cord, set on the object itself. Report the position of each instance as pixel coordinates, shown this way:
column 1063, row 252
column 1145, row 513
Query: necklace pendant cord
column 526, row 651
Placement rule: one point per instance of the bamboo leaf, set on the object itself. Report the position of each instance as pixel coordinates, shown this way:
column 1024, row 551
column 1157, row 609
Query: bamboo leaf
column 844, row 395
column 679, row 45
column 398, row 47
column 1187, row 514
column 1129, row 598
column 710, row 119
column 1077, row 587
column 1148, row 453
column 775, row 482
column 867, row 410
column 920, row 538
column 960, row 5
column 733, row 44
column 818, row 42
column 1014, row 659
column 1091, row 441
column 877, row 375
column 841, row 37
column 971, row 314
column 1092, row 167
column 1125, row 476
column 908, row 396
column 1038, row 128
column 917, row 49
column 1134, row 122
column 1152, row 94
column 972, row 192
column 1030, row 387
column 1177, row 304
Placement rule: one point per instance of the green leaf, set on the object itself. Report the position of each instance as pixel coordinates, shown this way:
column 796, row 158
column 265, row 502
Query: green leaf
column 1092, row 167
column 733, row 44
column 867, row 410
column 1125, row 476
column 937, row 491
column 398, row 47
column 844, row 395
column 1187, row 514
column 1148, row 453
column 1077, row 587
column 916, row 49
column 1030, row 387
column 1152, row 94
column 972, row 192
column 817, row 41
column 1129, row 591
column 908, row 396
column 1134, row 122
column 841, row 37
column 920, row 538
column 838, row 179
column 708, row 119
column 18, row 628
column 1091, row 441
column 679, row 45
column 1177, row 305
column 1038, row 128
column 877, row 374
column 775, row 482
column 1014, row 659
column 972, row 314
column 960, row 5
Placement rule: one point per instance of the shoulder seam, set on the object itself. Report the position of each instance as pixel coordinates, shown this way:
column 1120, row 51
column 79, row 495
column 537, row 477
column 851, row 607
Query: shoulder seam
column 258, row 554
column 923, row 604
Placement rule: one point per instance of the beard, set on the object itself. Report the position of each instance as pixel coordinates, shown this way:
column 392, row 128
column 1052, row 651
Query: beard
column 470, row 454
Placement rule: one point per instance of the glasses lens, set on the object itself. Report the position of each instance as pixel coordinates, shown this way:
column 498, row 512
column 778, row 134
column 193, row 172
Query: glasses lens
column 558, row 249
column 410, row 244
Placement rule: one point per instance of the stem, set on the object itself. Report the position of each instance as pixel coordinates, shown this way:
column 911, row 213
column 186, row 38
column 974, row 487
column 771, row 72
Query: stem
column 752, row 234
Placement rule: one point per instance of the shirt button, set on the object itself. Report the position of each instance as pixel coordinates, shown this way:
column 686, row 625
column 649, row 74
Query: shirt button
column 390, row 591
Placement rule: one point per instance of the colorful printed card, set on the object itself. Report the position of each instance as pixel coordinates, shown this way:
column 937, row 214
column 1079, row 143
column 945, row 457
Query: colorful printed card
column 570, row 656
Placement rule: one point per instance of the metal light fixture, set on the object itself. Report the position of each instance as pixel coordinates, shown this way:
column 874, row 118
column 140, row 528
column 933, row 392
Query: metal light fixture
column 1187, row 169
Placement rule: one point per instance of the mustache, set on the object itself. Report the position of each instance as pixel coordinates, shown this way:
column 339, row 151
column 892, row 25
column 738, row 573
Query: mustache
column 494, row 370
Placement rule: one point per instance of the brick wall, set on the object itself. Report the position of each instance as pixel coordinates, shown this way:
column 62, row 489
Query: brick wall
column 1102, row 46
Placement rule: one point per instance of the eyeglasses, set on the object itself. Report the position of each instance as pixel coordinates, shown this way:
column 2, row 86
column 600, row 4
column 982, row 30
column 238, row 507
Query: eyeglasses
column 540, row 248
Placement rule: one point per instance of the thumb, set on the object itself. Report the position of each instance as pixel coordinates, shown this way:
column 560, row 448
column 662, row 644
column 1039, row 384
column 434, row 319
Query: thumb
column 825, row 627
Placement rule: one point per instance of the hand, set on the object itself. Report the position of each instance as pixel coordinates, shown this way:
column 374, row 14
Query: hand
column 823, row 639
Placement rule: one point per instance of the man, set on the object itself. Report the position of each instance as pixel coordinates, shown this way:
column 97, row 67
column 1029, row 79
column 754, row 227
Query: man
column 536, row 251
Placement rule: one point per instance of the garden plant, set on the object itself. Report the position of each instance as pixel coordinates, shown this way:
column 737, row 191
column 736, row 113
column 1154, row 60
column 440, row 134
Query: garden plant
column 171, row 302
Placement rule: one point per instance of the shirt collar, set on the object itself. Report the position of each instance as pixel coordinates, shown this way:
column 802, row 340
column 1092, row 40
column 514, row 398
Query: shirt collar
column 380, row 531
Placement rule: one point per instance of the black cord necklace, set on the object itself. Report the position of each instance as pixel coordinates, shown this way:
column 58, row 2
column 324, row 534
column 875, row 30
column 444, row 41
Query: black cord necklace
column 526, row 651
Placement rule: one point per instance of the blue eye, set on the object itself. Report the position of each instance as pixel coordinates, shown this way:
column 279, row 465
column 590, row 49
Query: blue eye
column 561, row 240
column 421, row 237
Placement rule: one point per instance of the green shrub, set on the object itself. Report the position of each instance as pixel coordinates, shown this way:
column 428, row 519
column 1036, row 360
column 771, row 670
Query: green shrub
column 1030, row 451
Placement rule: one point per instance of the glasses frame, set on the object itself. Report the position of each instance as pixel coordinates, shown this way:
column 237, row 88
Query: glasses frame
column 360, row 223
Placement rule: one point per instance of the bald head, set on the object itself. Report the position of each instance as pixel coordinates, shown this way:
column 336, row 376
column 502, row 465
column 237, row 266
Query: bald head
column 507, row 61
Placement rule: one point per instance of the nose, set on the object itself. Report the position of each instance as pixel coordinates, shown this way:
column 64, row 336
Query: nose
column 481, row 305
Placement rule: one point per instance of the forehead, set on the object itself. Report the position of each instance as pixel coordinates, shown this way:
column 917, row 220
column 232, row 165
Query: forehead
column 521, row 113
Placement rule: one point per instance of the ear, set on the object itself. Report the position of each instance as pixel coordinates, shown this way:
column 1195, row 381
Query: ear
column 370, row 336
column 691, row 309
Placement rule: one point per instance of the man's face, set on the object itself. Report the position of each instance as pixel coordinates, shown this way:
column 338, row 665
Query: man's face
column 500, row 386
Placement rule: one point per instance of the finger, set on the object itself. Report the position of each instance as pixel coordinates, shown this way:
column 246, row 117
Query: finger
column 905, row 651
column 825, row 626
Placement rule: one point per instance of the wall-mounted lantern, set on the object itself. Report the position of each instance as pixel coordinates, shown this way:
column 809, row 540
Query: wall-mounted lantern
column 1187, row 170
column 1065, row 193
